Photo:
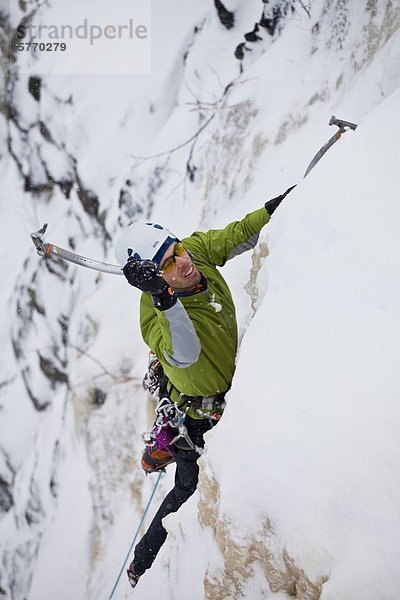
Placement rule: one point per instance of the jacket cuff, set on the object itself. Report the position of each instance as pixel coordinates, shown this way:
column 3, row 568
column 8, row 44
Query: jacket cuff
column 165, row 300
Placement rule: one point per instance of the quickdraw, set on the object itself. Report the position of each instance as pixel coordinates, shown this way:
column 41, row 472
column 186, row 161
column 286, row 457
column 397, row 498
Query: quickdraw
column 168, row 428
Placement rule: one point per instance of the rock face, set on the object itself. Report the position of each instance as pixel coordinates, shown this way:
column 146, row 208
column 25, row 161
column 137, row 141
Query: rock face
column 236, row 101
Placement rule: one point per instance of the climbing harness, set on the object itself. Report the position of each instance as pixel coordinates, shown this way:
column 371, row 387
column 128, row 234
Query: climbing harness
column 206, row 407
column 168, row 428
column 135, row 536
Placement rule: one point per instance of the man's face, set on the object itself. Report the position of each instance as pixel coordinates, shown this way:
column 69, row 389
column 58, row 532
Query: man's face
column 183, row 276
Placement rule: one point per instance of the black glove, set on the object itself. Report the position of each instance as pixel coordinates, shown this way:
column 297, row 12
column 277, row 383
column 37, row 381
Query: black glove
column 273, row 204
column 146, row 276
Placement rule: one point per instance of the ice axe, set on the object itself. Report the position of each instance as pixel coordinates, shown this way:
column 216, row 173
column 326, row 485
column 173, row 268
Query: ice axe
column 343, row 127
column 44, row 249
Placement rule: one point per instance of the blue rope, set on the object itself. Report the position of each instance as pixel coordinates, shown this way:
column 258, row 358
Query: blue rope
column 136, row 534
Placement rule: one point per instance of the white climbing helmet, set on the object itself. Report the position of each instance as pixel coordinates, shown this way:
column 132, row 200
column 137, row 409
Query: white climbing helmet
column 144, row 241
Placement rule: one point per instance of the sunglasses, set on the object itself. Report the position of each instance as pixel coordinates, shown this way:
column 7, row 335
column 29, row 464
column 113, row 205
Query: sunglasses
column 170, row 263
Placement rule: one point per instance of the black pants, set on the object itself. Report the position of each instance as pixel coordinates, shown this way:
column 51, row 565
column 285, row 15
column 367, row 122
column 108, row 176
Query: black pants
column 186, row 478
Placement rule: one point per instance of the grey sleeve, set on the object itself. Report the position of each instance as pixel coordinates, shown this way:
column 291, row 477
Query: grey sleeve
column 185, row 342
column 244, row 246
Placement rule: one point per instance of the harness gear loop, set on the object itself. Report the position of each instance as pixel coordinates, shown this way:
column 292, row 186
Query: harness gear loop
column 158, row 452
column 183, row 434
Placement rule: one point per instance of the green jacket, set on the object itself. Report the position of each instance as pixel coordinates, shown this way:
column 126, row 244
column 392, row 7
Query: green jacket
column 196, row 340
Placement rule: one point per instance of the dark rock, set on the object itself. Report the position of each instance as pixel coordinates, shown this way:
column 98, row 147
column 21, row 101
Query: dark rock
column 89, row 199
column 39, row 406
column 239, row 52
column 34, row 301
column 44, row 130
column 226, row 17
column 252, row 35
column 34, row 87
column 6, row 497
column 98, row 397
column 34, row 512
column 51, row 371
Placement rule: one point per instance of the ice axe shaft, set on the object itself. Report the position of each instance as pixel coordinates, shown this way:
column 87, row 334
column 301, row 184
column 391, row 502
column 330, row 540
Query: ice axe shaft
column 44, row 249
column 343, row 127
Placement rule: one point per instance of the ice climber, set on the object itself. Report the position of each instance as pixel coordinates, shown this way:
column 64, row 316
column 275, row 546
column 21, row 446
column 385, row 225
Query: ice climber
column 187, row 319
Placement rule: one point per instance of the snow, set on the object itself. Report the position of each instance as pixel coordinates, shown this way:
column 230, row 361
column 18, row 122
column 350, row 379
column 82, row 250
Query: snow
column 329, row 369
column 298, row 489
column 66, row 541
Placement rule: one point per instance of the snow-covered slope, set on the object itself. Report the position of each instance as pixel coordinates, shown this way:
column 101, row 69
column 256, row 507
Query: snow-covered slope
column 299, row 480
column 298, row 492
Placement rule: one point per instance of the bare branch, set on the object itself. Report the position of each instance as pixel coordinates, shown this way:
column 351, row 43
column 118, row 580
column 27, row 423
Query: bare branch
column 216, row 105
column 171, row 150
column 117, row 378
column 307, row 10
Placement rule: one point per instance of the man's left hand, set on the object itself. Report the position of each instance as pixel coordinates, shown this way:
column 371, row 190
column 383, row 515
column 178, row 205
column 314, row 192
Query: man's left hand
column 273, row 204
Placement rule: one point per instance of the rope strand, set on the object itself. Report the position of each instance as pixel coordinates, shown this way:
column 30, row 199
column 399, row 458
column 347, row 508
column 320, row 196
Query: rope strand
column 135, row 536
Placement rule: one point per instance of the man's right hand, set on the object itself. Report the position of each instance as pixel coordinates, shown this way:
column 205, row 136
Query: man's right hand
column 145, row 275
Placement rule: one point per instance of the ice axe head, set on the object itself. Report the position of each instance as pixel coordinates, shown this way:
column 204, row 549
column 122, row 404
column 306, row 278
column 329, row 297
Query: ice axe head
column 342, row 124
column 36, row 238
